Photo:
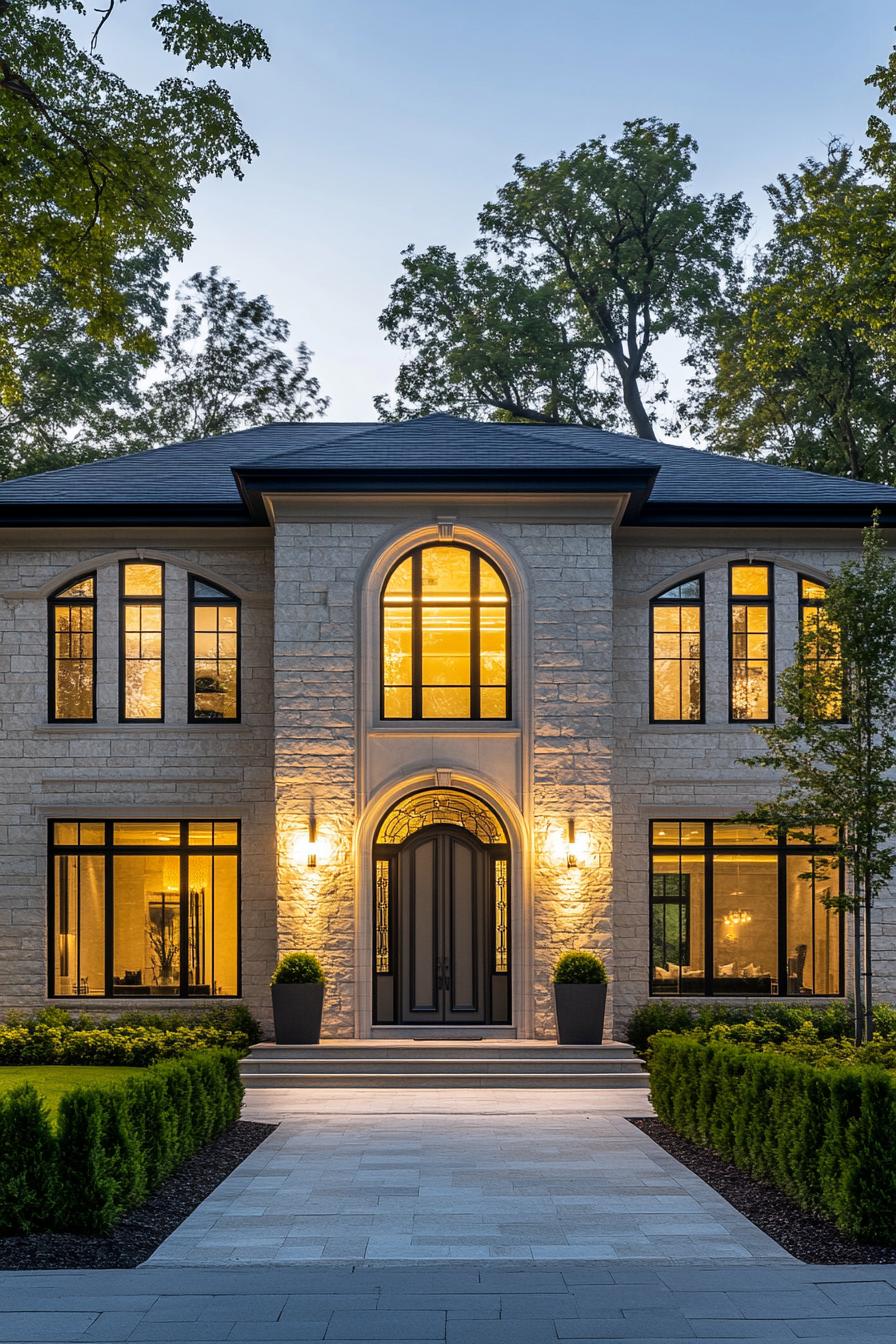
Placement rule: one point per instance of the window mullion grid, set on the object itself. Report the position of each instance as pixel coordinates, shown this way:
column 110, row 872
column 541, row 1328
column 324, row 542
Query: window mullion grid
column 475, row 617
column 109, row 931
column 185, row 907
column 417, row 635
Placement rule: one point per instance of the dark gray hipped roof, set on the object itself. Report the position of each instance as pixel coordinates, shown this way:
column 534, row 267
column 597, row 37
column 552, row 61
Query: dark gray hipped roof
column 221, row 479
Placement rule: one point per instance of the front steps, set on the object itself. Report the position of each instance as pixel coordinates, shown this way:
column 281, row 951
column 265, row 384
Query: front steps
column 441, row 1063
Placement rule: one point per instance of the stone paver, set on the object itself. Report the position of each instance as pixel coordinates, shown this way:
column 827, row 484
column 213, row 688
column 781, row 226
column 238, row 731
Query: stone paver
column 473, row 1303
column 433, row 1175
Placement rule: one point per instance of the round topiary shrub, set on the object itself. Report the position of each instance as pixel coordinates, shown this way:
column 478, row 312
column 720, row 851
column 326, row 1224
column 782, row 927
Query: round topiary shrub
column 298, row 968
column 579, row 968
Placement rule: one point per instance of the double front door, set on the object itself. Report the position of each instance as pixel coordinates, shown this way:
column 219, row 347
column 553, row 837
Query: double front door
column 443, row 921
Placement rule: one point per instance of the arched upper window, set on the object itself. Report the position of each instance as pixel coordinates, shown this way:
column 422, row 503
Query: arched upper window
column 214, row 677
column 72, row 626
column 445, row 636
column 676, row 649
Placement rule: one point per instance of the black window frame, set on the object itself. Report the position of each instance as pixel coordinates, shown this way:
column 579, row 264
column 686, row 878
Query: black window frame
column 109, row 851
column 54, row 601
column 767, row 601
column 783, row 849
column 415, row 606
column 804, row 604
column 227, row 599
column 134, row 601
column 663, row 600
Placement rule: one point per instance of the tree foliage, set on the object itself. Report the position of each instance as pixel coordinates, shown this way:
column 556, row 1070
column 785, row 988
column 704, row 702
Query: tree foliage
column 836, row 746
column 94, row 172
column 76, row 391
column 790, row 369
column 583, row 262
column 223, row 365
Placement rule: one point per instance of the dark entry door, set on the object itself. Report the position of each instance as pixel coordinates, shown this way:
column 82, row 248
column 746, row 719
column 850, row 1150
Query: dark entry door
column 442, row 928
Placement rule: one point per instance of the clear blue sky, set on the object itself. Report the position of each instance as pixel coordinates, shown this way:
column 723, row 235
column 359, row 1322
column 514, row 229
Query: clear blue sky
column 386, row 122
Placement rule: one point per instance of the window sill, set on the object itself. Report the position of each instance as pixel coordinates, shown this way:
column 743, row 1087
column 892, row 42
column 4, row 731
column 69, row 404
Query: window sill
column 429, row 727
column 137, row 1001
column 723, row 726
column 136, row 725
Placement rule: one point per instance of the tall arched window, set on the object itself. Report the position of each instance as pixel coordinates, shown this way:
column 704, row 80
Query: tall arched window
column 445, row 636
column 214, row 653
column 73, row 652
column 676, row 654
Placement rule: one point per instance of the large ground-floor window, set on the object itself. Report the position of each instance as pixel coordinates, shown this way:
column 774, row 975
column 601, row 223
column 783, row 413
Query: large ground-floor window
column 735, row 909
column 144, row 908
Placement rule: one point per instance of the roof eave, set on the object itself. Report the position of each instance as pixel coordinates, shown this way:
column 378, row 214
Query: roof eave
column 255, row 483
column 777, row 513
column 124, row 514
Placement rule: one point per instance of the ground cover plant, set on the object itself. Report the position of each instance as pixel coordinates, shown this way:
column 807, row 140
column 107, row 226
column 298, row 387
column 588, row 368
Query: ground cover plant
column 55, row 1036
column 814, row 1117
column 107, row 1146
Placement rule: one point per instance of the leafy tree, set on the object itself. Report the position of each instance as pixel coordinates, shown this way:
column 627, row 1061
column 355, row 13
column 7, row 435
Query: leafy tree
column 836, row 747
column 790, row 369
column 93, row 171
column 222, row 366
column 75, row 389
column 582, row 264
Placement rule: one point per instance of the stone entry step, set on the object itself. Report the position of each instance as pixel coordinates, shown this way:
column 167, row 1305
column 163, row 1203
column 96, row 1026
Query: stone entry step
column 409, row 1064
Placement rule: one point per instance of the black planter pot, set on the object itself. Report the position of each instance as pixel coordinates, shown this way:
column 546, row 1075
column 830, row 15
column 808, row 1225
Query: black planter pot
column 580, row 1010
column 297, row 1013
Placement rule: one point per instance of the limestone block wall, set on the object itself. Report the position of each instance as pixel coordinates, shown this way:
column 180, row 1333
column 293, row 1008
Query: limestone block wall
column 317, row 567
column 319, row 664
column 107, row 769
column 691, row 771
column 569, row 572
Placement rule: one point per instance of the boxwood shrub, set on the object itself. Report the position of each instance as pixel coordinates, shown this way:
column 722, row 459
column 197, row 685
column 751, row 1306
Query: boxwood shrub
column 110, row 1145
column 820, row 1130
column 56, row 1036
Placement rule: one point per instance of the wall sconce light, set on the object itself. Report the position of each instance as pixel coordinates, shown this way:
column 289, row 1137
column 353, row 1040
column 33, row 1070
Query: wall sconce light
column 576, row 846
column 304, row 847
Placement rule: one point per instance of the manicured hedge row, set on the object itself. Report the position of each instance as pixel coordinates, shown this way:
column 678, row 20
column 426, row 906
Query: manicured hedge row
column 110, row 1146
column 56, row 1037
column 832, row 1022
column 822, row 1134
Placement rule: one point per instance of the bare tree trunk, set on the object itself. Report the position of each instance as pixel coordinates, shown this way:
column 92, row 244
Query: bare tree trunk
column 631, row 395
column 869, row 970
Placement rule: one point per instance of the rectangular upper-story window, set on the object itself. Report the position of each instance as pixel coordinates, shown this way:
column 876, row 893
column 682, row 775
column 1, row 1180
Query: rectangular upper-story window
column 676, row 644
column 72, row 633
column 144, row 909
column 141, row 641
column 821, row 651
column 738, row 910
column 750, row 643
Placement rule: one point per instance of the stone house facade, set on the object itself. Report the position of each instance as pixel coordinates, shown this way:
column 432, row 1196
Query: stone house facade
column 436, row 701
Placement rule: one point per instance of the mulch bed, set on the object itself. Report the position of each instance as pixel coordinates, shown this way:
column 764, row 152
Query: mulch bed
column 139, row 1232
column 807, row 1236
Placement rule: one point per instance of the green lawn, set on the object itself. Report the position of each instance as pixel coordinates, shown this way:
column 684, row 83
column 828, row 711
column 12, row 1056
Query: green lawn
column 53, row 1080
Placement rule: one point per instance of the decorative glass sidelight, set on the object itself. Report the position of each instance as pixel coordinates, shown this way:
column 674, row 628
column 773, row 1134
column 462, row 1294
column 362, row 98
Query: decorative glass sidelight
column 500, row 916
column 382, row 917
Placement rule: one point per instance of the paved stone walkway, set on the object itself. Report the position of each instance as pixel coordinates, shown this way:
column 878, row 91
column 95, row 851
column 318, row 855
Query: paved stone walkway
column 428, row 1175
column 470, row 1304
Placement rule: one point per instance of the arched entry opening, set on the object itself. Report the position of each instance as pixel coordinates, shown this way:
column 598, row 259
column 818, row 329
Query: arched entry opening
column 441, row 913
